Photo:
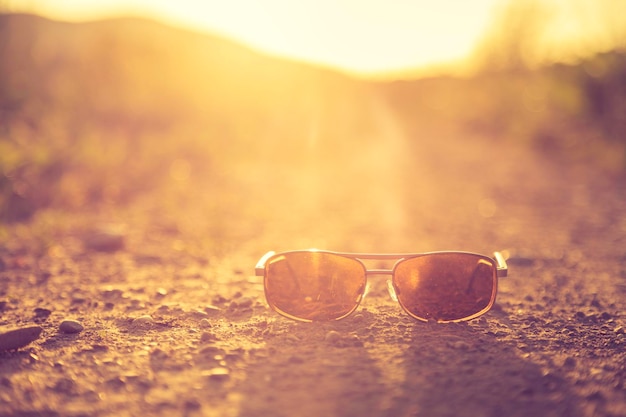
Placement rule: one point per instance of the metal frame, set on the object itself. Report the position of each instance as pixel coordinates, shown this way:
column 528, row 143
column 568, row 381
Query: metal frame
column 501, row 266
column 498, row 260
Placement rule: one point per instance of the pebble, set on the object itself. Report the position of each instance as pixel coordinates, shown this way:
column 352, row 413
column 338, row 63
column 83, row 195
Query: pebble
column 197, row 314
column 459, row 344
column 358, row 318
column 570, row 362
column 108, row 239
column 245, row 302
column 42, row 313
column 217, row 374
column 293, row 338
column 71, row 326
column 144, row 320
column 333, row 337
column 207, row 337
column 211, row 309
column 606, row 316
column 65, row 385
column 16, row 338
column 205, row 323
column 192, row 404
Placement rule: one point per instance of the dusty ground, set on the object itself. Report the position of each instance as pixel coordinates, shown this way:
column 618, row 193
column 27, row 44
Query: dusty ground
column 554, row 345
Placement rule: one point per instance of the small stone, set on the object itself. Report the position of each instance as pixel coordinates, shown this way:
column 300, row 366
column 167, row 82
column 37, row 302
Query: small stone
column 296, row 359
column 111, row 293
column 70, row 327
column 205, row 323
column 16, row 338
column 333, row 337
column 197, row 314
column 116, row 382
column 145, row 320
column 459, row 344
column 217, row 374
column 211, row 309
column 569, row 362
column 77, row 299
column 207, row 337
column 596, row 396
column 64, row 385
column 606, row 316
column 245, row 302
column 219, row 299
column 6, row 382
column 358, row 317
column 192, row 404
column 108, row 239
column 42, row 313
column 355, row 340
column 293, row 338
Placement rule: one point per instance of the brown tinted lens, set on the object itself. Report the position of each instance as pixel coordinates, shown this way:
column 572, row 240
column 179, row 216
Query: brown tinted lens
column 446, row 286
column 314, row 286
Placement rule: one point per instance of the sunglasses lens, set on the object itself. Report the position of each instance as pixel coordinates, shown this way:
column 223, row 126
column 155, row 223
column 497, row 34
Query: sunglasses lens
column 314, row 286
column 446, row 286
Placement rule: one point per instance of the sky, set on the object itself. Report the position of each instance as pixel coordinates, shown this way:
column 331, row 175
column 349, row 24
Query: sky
column 362, row 36
column 365, row 37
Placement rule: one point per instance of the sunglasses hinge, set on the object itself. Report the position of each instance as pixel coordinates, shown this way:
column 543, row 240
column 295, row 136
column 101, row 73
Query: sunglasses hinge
column 502, row 268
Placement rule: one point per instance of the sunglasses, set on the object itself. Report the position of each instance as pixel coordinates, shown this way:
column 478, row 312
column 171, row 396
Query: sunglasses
column 313, row 285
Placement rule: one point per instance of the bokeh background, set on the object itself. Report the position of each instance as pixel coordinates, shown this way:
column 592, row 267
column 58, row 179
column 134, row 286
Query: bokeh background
column 200, row 120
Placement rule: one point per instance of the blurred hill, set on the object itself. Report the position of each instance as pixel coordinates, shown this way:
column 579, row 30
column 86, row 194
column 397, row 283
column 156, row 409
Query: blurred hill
column 571, row 113
column 105, row 112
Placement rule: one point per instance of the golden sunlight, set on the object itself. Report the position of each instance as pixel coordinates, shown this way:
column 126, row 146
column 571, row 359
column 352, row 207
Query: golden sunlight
column 356, row 36
column 374, row 38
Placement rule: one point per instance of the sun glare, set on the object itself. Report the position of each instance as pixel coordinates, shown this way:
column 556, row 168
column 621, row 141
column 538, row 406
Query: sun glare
column 357, row 36
column 371, row 37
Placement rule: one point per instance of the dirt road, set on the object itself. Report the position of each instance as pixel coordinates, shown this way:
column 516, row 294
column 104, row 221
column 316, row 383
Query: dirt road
column 175, row 322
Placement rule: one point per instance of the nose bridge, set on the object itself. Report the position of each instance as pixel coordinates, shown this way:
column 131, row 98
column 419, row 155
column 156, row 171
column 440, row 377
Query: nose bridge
column 384, row 273
column 380, row 265
column 369, row 272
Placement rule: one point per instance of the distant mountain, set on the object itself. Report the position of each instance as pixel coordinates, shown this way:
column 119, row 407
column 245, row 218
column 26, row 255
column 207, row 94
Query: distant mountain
column 108, row 110
column 117, row 101
column 137, row 68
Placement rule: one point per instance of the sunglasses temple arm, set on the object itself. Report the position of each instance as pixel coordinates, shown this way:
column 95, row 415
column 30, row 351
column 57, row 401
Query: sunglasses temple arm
column 502, row 267
column 259, row 269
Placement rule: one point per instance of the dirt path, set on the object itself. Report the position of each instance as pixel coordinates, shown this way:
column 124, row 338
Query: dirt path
column 175, row 323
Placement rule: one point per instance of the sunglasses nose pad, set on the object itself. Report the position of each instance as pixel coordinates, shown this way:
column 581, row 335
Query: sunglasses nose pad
column 392, row 291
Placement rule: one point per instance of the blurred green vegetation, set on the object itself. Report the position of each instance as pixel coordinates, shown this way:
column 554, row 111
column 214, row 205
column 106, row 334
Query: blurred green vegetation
column 572, row 113
column 105, row 112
